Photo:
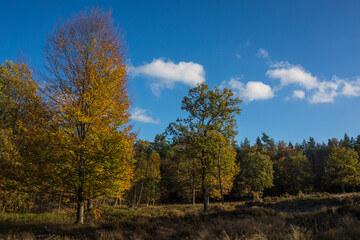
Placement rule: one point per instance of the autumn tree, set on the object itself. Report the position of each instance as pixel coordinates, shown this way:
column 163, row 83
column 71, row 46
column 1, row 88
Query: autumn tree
column 145, row 187
column 86, row 91
column 210, row 113
column 23, row 138
column 256, row 172
column 188, row 172
column 342, row 167
column 222, row 167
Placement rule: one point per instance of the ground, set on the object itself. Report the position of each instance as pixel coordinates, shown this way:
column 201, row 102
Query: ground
column 317, row 216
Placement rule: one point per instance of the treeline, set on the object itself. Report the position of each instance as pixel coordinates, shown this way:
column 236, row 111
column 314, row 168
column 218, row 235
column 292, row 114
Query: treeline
column 266, row 168
column 66, row 139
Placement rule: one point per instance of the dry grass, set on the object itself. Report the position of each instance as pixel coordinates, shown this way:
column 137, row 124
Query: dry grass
column 319, row 216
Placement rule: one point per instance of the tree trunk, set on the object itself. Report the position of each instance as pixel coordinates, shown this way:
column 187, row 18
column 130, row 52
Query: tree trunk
column 89, row 204
column 60, row 201
column 134, row 199
column 154, row 192
column 193, row 197
column 4, row 205
column 343, row 188
column 80, row 207
column 203, row 189
column 80, row 213
column 256, row 196
column 141, row 189
column 219, row 167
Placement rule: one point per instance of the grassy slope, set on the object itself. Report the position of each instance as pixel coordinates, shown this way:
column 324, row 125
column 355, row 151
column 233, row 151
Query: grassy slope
column 320, row 216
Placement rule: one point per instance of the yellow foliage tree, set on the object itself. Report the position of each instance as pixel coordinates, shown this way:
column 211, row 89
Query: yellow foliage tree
column 21, row 113
column 86, row 91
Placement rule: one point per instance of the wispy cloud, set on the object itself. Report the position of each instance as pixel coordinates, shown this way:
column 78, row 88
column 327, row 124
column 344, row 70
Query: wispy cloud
column 263, row 53
column 298, row 94
column 251, row 91
column 326, row 92
column 142, row 115
column 166, row 74
column 318, row 91
column 351, row 89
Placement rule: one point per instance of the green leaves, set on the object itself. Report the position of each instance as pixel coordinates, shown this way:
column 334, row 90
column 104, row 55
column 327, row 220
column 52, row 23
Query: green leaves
column 210, row 124
column 343, row 167
column 256, row 172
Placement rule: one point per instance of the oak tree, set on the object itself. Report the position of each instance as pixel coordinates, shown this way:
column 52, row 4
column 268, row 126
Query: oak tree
column 210, row 113
column 342, row 167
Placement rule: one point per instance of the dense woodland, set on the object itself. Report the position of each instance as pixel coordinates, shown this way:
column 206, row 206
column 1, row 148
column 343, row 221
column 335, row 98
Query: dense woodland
column 66, row 139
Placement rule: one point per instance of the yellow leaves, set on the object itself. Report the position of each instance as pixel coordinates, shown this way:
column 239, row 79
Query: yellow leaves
column 343, row 167
column 97, row 214
column 8, row 151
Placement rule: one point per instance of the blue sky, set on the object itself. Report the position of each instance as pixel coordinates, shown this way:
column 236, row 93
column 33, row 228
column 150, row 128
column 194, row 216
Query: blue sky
column 296, row 64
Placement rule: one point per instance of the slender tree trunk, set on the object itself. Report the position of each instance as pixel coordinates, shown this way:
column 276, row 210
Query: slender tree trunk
column 219, row 167
column 141, row 189
column 343, row 188
column 89, row 204
column 256, row 196
column 203, row 188
column 154, row 192
column 4, row 204
column 193, row 196
column 134, row 199
column 60, row 200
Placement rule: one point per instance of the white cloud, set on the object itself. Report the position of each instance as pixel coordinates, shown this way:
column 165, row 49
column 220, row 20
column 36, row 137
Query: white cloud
column 281, row 64
column 141, row 115
column 318, row 91
column 262, row 53
column 351, row 89
column 325, row 93
column 166, row 74
column 251, row 91
column 238, row 56
column 293, row 75
column 298, row 94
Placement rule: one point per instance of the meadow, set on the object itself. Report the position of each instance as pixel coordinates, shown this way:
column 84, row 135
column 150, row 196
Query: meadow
column 317, row 216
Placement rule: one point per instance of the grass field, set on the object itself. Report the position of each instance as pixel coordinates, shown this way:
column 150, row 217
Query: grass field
column 318, row 216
